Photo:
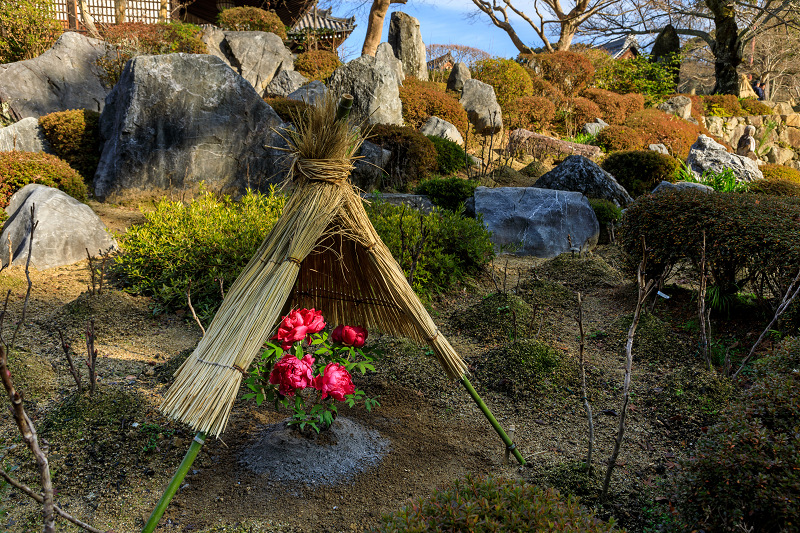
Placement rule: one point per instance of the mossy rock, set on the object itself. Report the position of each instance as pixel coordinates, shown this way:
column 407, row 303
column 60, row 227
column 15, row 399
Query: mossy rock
column 506, row 176
column 548, row 294
column 518, row 368
column 580, row 273
column 495, row 318
column 82, row 416
column 33, row 375
column 654, row 339
column 535, row 169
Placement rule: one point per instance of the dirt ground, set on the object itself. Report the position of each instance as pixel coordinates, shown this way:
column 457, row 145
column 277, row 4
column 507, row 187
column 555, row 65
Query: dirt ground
column 112, row 454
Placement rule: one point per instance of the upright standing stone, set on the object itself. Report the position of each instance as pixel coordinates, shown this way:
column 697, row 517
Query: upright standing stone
column 376, row 97
column 406, row 41
column 385, row 53
column 480, row 103
column 459, row 74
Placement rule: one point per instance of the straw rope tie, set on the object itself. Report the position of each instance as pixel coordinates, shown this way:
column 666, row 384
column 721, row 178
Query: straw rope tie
column 328, row 170
column 436, row 334
column 229, row 367
column 294, row 260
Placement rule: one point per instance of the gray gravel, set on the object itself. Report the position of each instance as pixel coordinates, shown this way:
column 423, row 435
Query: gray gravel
column 333, row 457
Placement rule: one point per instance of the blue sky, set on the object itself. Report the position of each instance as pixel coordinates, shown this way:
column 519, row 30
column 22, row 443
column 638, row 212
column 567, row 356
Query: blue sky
column 441, row 22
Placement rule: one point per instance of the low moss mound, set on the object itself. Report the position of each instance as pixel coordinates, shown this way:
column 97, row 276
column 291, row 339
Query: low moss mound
column 33, row 374
column 84, row 416
column 698, row 392
column 572, row 478
column 506, row 176
column 548, row 294
column 580, row 273
column 518, row 368
column 495, row 318
column 654, row 339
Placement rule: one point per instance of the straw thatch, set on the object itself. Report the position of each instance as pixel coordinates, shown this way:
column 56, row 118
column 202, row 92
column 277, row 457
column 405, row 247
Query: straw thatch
column 323, row 253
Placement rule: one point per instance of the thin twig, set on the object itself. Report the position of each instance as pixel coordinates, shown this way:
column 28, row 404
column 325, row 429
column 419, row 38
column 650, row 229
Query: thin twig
column 701, row 306
column 28, row 277
column 191, row 308
column 221, row 289
column 74, row 371
column 91, row 356
column 584, row 392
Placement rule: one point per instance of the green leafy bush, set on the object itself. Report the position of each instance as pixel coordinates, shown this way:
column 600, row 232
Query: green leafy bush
column 132, row 39
column 27, row 29
column 288, row 110
column 75, row 137
column 251, row 18
column 780, row 172
column 413, row 155
column 450, row 157
column 657, row 127
column 481, row 505
column 752, row 239
column 447, row 193
column 422, row 100
column 455, row 247
column 208, row 238
column 509, row 79
column 751, row 106
column 606, row 211
column 722, row 181
column 317, row 64
column 721, row 105
column 744, row 473
column 615, row 138
column 570, row 72
column 18, row 169
column 654, row 80
column 775, row 187
column 640, row 171
column 529, row 112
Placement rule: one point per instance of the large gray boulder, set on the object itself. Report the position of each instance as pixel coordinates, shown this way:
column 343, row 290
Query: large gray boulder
column 369, row 172
column 680, row 106
column 376, row 97
column 582, row 175
column 64, row 77
column 441, row 128
column 310, row 93
column 480, row 103
column 406, row 41
column 284, row 83
column 66, row 229
column 24, row 136
column 539, row 222
column 257, row 56
column 174, row 121
column 593, row 128
column 459, row 74
column 385, row 53
column 707, row 154
column 542, row 144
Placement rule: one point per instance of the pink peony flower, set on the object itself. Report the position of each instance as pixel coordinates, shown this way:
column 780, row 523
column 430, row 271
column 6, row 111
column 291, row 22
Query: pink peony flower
column 335, row 381
column 350, row 335
column 297, row 325
column 291, row 373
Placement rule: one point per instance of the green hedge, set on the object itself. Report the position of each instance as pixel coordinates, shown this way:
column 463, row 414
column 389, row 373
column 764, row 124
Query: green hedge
column 447, row 193
column 640, row 171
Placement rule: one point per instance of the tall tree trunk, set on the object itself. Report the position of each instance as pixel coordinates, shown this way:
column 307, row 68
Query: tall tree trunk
column 119, row 10
column 727, row 46
column 377, row 14
column 565, row 36
column 163, row 12
column 88, row 20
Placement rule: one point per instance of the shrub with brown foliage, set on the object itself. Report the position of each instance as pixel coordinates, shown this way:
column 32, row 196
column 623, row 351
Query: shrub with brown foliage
column 506, row 76
column 18, row 169
column 780, row 172
column 656, row 127
column 249, row 18
column 541, row 87
column 721, row 105
column 614, row 138
column 413, row 155
column 75, row 138
column 569, row 71
column 573, row 113
column 775, row 187
column 288, row 110
column 423, row 99
column 615, row 108
column 529, row 112
column 27, row 29
column 317, row 64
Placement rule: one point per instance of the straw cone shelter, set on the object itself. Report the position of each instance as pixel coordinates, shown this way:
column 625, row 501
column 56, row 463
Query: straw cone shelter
column 322, row 253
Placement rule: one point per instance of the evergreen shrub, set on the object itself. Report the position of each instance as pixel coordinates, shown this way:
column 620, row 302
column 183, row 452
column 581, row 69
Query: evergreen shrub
column 249, row 18
column 509, row 79
column 413, row 155
column 450, row 157
column 27, row 29
column 494, row 504
column 780, row 172
column 18, row 169
column 640, row 171
column 655, row 81
column 721, row 105
column 317, row 64
column 423, row 99
column 75, row 138
column 751, row 106
column 447, row 193
column 606, row 211
column 775, row 187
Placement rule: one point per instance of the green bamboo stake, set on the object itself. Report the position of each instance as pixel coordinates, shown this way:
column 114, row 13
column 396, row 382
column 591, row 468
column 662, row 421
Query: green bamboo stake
column 345, row 105
column 510, row 446
column 177, row 479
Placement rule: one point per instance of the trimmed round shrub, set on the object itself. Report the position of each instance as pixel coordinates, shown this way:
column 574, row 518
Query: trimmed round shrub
column 288, row 110
column 614, row 138
column 494, row 504
column 775, row 187
column 615, row 108
column 779, row 172
column 529, row 112
column 721, row 105
column 250, row 18
column 657, row 127
column 447, row 193
column 606, row 211
column 75, row 138
column 752, row 239
column 450, row 157
column 570, row 72
column 744, row 474
column 535, row 169
column 18, row 169
column 542, row 87
column 413, row 155
column 751, row 106
column 640, row 171
column 317, row 64
column 573, row 113
column 423, row 100
column 509, row 79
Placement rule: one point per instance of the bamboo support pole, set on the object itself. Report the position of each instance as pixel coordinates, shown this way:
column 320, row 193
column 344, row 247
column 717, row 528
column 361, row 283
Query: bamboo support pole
column 510, row 446
column 345, row 105
column 175, row 483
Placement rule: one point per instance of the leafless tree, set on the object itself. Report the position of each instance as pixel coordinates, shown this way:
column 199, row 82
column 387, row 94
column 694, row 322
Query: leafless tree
column 549, row 19
column 459, row 52
column 774, row 57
